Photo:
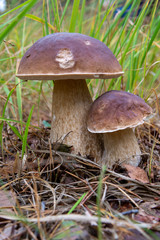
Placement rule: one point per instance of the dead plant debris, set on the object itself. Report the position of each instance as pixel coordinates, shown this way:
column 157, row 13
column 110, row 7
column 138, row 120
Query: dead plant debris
column 51, row 180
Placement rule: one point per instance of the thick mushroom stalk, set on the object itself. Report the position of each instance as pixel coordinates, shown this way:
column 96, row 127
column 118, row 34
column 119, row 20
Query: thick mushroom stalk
column 71, row 102
column 121, row 147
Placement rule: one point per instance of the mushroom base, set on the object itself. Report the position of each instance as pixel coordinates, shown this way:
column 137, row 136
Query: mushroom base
column 71, row 102
column 121, row 147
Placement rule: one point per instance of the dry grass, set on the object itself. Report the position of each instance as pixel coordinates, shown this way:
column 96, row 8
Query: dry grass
column 48, row 183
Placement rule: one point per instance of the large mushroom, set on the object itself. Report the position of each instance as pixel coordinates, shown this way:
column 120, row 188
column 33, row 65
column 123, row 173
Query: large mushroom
column 68, row 59
column 114, row 114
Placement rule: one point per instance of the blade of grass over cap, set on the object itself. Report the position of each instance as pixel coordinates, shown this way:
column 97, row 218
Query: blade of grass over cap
column 16, row 20
column 74, row 15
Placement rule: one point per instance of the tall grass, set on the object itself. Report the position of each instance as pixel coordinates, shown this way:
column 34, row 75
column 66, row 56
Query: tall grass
column 15, row 20
column 132, row 37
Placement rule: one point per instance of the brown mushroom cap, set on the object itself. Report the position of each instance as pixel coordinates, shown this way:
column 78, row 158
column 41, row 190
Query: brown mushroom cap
column 68, row 56
column 117, row 110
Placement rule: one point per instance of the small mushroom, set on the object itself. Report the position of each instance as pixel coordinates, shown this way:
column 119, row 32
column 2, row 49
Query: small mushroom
column 115, row 114
column 68, row 59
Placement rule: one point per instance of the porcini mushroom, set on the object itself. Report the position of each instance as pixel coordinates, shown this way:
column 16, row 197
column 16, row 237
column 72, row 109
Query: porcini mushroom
column 115, row 114
column 68, row 59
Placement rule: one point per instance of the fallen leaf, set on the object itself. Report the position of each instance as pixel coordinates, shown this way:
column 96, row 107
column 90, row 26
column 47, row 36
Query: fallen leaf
column 11, row 231
column 145, row 218
column 7, row 200
column 7, row 232
column 136, row 173
column 7, row 169
column 151, row 208
column 149, row 212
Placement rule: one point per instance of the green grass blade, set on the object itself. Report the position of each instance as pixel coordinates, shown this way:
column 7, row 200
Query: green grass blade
column 154, row 78
column 94, row 23
column 98, row 19
column 4, row 59
column 74, row 15
column 14, row 9
column 3, row 119
column 64, row 12
column 136, row 28
column 3, row 114
column 17, row 19
column 23, row 38
column 2, row 26
column 123, row 29
column 82, row 16
column 43, row 12
column 150, row 42
column 131, row 79
column 98, row 201
column 7, row 91
column 15, row 130
column 116, row 20
column 24, row 144
column 40, row 20
column 8, row 98
column 19, row 98
column 144, row 59
column 103, row 20
column 152, row 234
column 39, row 100
column 56, row 14
column 77, row 203
column 46, row 23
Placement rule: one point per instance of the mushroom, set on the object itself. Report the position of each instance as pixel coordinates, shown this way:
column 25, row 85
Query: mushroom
column 115, row 114
column 68, row 59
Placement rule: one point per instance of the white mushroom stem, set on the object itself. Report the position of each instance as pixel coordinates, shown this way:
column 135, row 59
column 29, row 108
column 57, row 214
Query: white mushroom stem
column 121, row 147
column 70, row 105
